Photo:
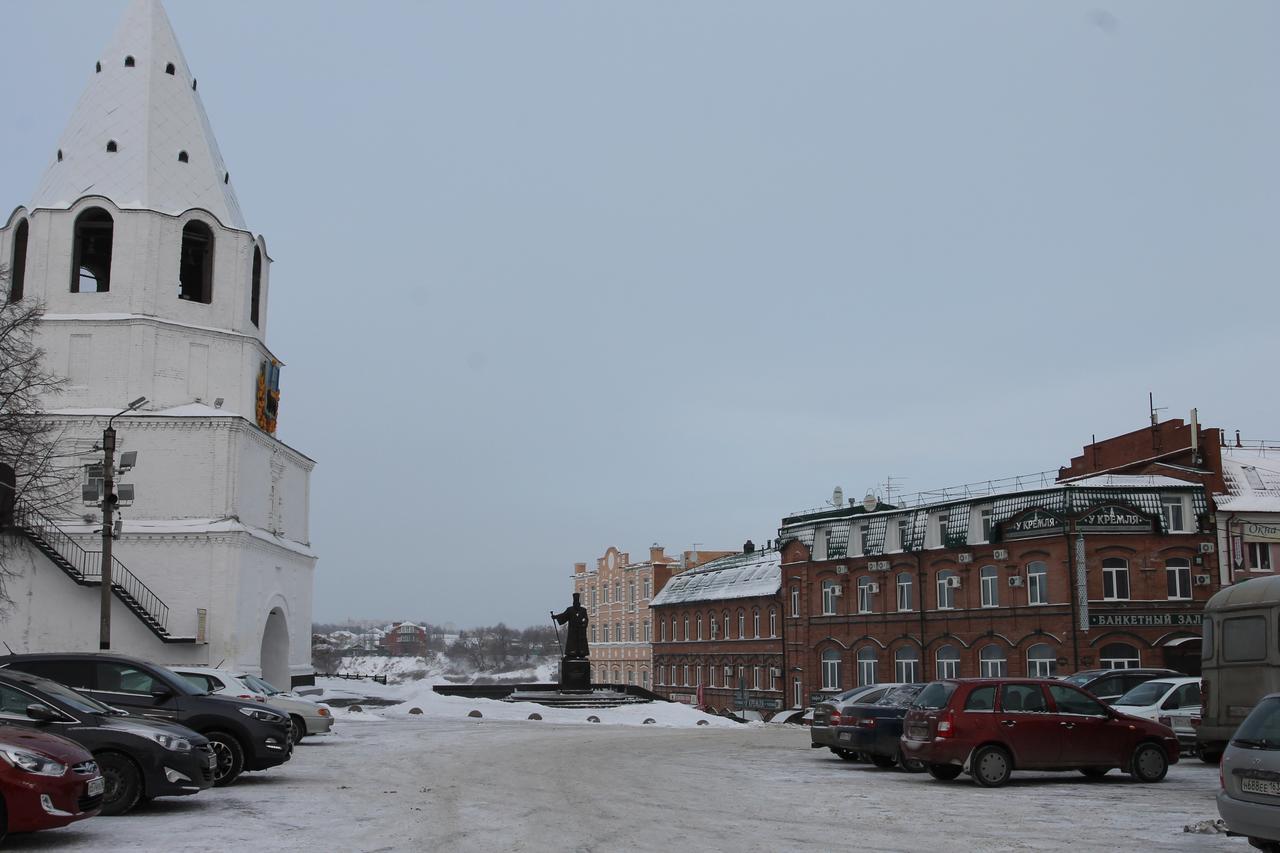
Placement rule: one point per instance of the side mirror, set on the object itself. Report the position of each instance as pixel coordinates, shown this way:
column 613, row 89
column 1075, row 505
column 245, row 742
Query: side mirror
column 42, row 713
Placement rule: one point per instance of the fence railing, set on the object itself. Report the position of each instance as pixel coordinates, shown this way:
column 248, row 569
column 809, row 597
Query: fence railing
column 351, row 676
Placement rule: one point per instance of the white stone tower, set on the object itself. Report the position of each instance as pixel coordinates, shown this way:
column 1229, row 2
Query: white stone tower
column 153, row 286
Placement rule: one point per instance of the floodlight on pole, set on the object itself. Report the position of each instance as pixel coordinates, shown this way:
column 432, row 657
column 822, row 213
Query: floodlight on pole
column 109, row 500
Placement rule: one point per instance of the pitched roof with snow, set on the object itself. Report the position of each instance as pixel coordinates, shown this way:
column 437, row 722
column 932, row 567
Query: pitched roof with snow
column 735, row 576
column 152, row 115
column 1252, row 476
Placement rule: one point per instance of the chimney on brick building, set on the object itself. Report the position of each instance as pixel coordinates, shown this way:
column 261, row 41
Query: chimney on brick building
column 656, row 554
column 579, row 568
column 749, row 547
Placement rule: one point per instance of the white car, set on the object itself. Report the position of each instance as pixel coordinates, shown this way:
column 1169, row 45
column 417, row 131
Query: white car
column 1150, row 699
column 305, row 717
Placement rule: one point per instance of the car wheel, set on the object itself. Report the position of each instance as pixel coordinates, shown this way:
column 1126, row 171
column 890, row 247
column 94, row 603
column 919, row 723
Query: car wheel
column 1150, row 764
column 911, row 765
column 123, row 783
column 1094, row 772
column 883, row 760
column 991, row 766
column 944, row 772
column 1210, row 756
column 4, row 819
column 230, row 756
column 297, row 729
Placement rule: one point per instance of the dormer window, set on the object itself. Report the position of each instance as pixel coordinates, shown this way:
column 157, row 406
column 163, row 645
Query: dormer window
column 195, row 270
column 128, row 62
column 182, row 157
column 169, row 69
column 59, row 155
column 97, row 67
column 112, row 147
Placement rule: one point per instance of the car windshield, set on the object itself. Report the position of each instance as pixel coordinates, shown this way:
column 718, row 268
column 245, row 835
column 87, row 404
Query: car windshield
column 258, row 685
column 934, row 695
column 1080, row 679
column 1261, row 729
column 1147, row 693
column 899, row 696
column 72, row 699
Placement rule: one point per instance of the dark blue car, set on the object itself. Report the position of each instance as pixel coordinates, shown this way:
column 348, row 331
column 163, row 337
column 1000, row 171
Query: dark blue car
column 874, row 729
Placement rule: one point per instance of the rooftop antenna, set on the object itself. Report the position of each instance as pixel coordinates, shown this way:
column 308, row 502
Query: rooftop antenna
column 1155, row 413
column 889, row 482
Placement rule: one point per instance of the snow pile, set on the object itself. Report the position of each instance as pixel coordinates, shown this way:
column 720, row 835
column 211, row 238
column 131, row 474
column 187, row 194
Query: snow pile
column 420, row 695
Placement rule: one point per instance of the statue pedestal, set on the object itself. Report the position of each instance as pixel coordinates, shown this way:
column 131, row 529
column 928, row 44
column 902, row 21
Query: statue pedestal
column 575, row 675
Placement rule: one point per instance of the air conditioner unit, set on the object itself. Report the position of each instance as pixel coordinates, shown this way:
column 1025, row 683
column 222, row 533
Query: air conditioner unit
column 1206, row 547
column 966, row 558
column 873, row 588
column 775, row 672
column 953, row 583
column 837, row 591
column 1016, row 580
column 884, row 565
column 842, row 570
column 999, row 554
column 1202, row 580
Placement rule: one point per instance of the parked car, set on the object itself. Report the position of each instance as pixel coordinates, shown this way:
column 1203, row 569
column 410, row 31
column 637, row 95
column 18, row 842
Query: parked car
column 874, row 729
column 827, row 714
column 305, row 717
column 46, row 781
column 1110, row 684
column 989, row 727
column 1184, row 722
column 244, row 735
column 138, row 757
column 1249, row 801
column 1152, row 698
column 1239, row 665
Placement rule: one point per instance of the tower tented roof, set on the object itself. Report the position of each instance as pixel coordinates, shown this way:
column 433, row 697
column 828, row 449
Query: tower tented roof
column 151, row 116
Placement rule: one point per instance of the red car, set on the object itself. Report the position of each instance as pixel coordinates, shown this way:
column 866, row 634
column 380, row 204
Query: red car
column 46, row 781
column 989, row 727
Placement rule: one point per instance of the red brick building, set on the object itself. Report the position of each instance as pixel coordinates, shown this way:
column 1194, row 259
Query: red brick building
column 405, row 638
column 719, row 632
column 1108, row 570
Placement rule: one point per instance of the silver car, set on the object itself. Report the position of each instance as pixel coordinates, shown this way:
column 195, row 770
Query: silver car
column 1249, row 801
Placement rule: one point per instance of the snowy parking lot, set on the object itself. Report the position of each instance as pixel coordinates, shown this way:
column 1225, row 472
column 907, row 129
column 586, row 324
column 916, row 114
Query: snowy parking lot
column 436, row 783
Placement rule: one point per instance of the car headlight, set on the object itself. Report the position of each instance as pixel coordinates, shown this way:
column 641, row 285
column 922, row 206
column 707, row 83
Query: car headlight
column 262, row 715
column 323, row 711
column 33, row 763
column 172, row 742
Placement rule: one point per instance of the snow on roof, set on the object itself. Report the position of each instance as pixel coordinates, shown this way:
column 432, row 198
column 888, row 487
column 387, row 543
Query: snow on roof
column 180, row 526
column 1252, row 477
column 1125, row 481
column 735, row 576
column 152, row 114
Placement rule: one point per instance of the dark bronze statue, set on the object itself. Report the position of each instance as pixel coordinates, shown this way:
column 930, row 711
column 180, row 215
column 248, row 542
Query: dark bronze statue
column 575, row 641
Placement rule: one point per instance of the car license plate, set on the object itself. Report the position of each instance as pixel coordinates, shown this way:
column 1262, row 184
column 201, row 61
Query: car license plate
column 1270, row 787
column 97, row 786
column 846, row 737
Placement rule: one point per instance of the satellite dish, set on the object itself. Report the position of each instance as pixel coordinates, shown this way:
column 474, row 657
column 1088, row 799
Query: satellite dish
column 870, row 502
column 837, row 497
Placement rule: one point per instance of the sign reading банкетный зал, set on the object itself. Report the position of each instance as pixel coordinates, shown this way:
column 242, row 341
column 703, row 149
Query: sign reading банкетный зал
column 1142, row 620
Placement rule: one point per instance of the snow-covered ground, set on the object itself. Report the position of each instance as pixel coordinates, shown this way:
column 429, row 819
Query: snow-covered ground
column 436, row 783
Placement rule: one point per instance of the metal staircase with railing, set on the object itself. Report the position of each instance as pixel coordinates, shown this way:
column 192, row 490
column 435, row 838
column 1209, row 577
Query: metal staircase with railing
column 85, row 568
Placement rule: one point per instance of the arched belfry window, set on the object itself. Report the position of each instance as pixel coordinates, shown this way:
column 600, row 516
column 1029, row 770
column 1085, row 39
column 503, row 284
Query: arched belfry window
column 91, row 252
column 97, row 67
column 257, row 286
column 18, row 264
column 195, row 271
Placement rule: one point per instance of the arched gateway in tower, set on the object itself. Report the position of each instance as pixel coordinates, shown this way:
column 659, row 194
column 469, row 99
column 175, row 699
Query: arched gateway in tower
column 153, row 286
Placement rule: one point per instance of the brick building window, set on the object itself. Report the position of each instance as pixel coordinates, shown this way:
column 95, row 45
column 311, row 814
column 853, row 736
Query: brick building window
column 948, row 659
column 606, row 633
column 795, row 601
column 864, row 594
column 663, row 626
column 947, row 590
column 617, row 632
column 631, row 592
column 674, row 634
column 673, row 675
column 617, row 592
column 698, row 683
column 866, row 666
column 904, row 534
column 1115, row 579
column 631, row 631
column 942, row 531
column 711, row 675
column 985, row 516
column 831, row 669
column 595, row 633
column 715, row 627
column 644, row 678
column 904, row 592
column 1119, row 656
column 773, row 621
column 755, row 622
column 648, row 587
column 1042, row 662
column 756, row 682
column 648, row 631
column 699, row 626
column 1172, row 509
column 797, row 693
column 687, row 635
column 1259, row 556
column 1037, row 583
column 906, row 665
column 990, row 582
column 595, row 598
column 742, row 625
column 829, row 596
column 992, row 662
column 1178, row 574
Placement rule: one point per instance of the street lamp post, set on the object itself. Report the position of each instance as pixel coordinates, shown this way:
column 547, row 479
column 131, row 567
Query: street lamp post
column 108, row 506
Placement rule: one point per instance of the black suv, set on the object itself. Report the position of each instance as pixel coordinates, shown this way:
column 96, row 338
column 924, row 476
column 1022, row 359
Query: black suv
column 244, row 735
column 138, row 758
column 1110, row 684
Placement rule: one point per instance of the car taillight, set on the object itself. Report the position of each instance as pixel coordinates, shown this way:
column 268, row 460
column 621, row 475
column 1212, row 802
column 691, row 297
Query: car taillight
column 946, row 725
column 867, row 722
column 1195, row 722
column 835, row 718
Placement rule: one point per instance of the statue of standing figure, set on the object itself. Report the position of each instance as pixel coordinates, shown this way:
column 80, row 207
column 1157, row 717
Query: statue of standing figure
column 575, row 644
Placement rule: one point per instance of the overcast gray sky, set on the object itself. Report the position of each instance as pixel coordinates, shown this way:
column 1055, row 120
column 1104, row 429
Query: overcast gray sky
column 551, row 277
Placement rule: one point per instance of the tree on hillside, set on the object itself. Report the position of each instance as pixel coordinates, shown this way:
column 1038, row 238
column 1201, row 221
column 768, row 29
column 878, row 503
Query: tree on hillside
column 30, row 469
